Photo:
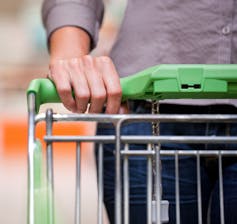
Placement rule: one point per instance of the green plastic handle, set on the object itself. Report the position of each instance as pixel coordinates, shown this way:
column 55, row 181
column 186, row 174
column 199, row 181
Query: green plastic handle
column 45, row 92
column 162, row 82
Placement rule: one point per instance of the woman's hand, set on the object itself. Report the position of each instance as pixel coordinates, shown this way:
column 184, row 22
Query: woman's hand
column 94, row 80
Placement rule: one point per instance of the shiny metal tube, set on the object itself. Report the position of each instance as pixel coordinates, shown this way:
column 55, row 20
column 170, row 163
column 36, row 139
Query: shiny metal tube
column 221, row 194
column 177, row 196
column 50, row 172
column 105, row 118
column 126, row 185
column 199, row 190
column 31, row 142
column 118, row 182
column 100, row 185
column 78, row 185
column 158, row 184
column 149, row 185
column 145, row 139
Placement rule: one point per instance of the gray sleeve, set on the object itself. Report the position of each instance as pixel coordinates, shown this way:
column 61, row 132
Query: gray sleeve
column 86, row 14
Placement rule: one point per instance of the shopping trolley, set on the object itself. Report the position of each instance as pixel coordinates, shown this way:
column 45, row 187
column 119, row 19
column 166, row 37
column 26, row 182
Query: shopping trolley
column 156, row 83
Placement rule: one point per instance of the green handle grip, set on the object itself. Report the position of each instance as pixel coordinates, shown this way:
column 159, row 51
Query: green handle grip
column 162, row 82
column 45, row 92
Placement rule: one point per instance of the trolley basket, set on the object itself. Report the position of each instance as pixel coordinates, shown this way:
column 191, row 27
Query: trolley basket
column 153, row 84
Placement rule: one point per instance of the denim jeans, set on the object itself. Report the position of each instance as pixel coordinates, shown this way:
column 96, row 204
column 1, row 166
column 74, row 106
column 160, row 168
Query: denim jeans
column 187, row 168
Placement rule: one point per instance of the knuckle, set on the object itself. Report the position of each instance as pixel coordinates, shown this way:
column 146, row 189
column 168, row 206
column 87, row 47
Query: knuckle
column 83, row 95
column 105, row 59
column 57, row 65
column 53, row 67
column 88, row 59
column 81, row 108
column 69, row 105
column 87, row 62
column 116, row 93
column 93, row 109
column 57, row 62
column 73, row 62
column 99, row 96
column 64, row 90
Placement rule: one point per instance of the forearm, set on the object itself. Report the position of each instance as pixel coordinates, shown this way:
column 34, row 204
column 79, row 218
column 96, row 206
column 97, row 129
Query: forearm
column 69, row 42
column 94, row 80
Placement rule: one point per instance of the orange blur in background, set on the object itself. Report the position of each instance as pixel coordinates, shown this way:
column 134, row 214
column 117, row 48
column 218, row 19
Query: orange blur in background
column 15, row 134
column 13, row 167
column 23, row 57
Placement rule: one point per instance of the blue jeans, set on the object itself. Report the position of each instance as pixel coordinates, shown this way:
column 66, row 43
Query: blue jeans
column 187, row 169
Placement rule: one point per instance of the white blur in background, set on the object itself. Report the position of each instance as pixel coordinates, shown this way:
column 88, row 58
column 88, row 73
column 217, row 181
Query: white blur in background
column 23, row 57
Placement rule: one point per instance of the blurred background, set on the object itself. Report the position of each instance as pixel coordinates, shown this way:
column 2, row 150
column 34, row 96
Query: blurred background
column 23, row 57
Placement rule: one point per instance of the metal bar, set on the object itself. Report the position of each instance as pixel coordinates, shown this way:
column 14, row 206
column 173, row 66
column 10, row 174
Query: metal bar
column 199, row 201
column 78, row 184
column 222, row 216
column 145, row 139
column 177, row 192
column 180, row 152
column 103, row 118
column 100, row 184
column 31, row 140
column 111, row 139
column 98, row 139
column 158, row 183
column 178, row 139
column 156, row 168
column 118, row 190
column 50, row 178
column 150, row 139
column 149, row 185
column 154, row 139
column 126, row 186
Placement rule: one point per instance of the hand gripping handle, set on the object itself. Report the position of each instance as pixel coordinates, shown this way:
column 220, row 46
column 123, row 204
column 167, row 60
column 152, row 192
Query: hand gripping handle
column 161, row 82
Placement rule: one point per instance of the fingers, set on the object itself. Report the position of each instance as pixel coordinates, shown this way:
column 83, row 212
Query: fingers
column 79, row 85
column 93, row 80
column 61, row 78
column 112, row 84
column 95, row 83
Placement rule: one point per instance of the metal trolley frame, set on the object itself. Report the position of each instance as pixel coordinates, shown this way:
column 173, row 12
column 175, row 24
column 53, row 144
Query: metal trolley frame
column 41, row 195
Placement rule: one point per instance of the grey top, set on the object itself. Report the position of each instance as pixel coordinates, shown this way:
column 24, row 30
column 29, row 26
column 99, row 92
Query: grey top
column 155, row 31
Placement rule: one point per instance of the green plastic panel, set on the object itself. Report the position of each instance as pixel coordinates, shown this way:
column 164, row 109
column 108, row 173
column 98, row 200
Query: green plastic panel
column 40, row 188
column 182, row 82
column 163, row 82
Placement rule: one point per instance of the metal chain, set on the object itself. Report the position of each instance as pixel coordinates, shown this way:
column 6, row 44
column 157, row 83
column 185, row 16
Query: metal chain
column 156, row 132
column 155, row 110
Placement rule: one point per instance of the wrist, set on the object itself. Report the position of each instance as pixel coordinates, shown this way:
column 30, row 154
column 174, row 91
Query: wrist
column 69, row 42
